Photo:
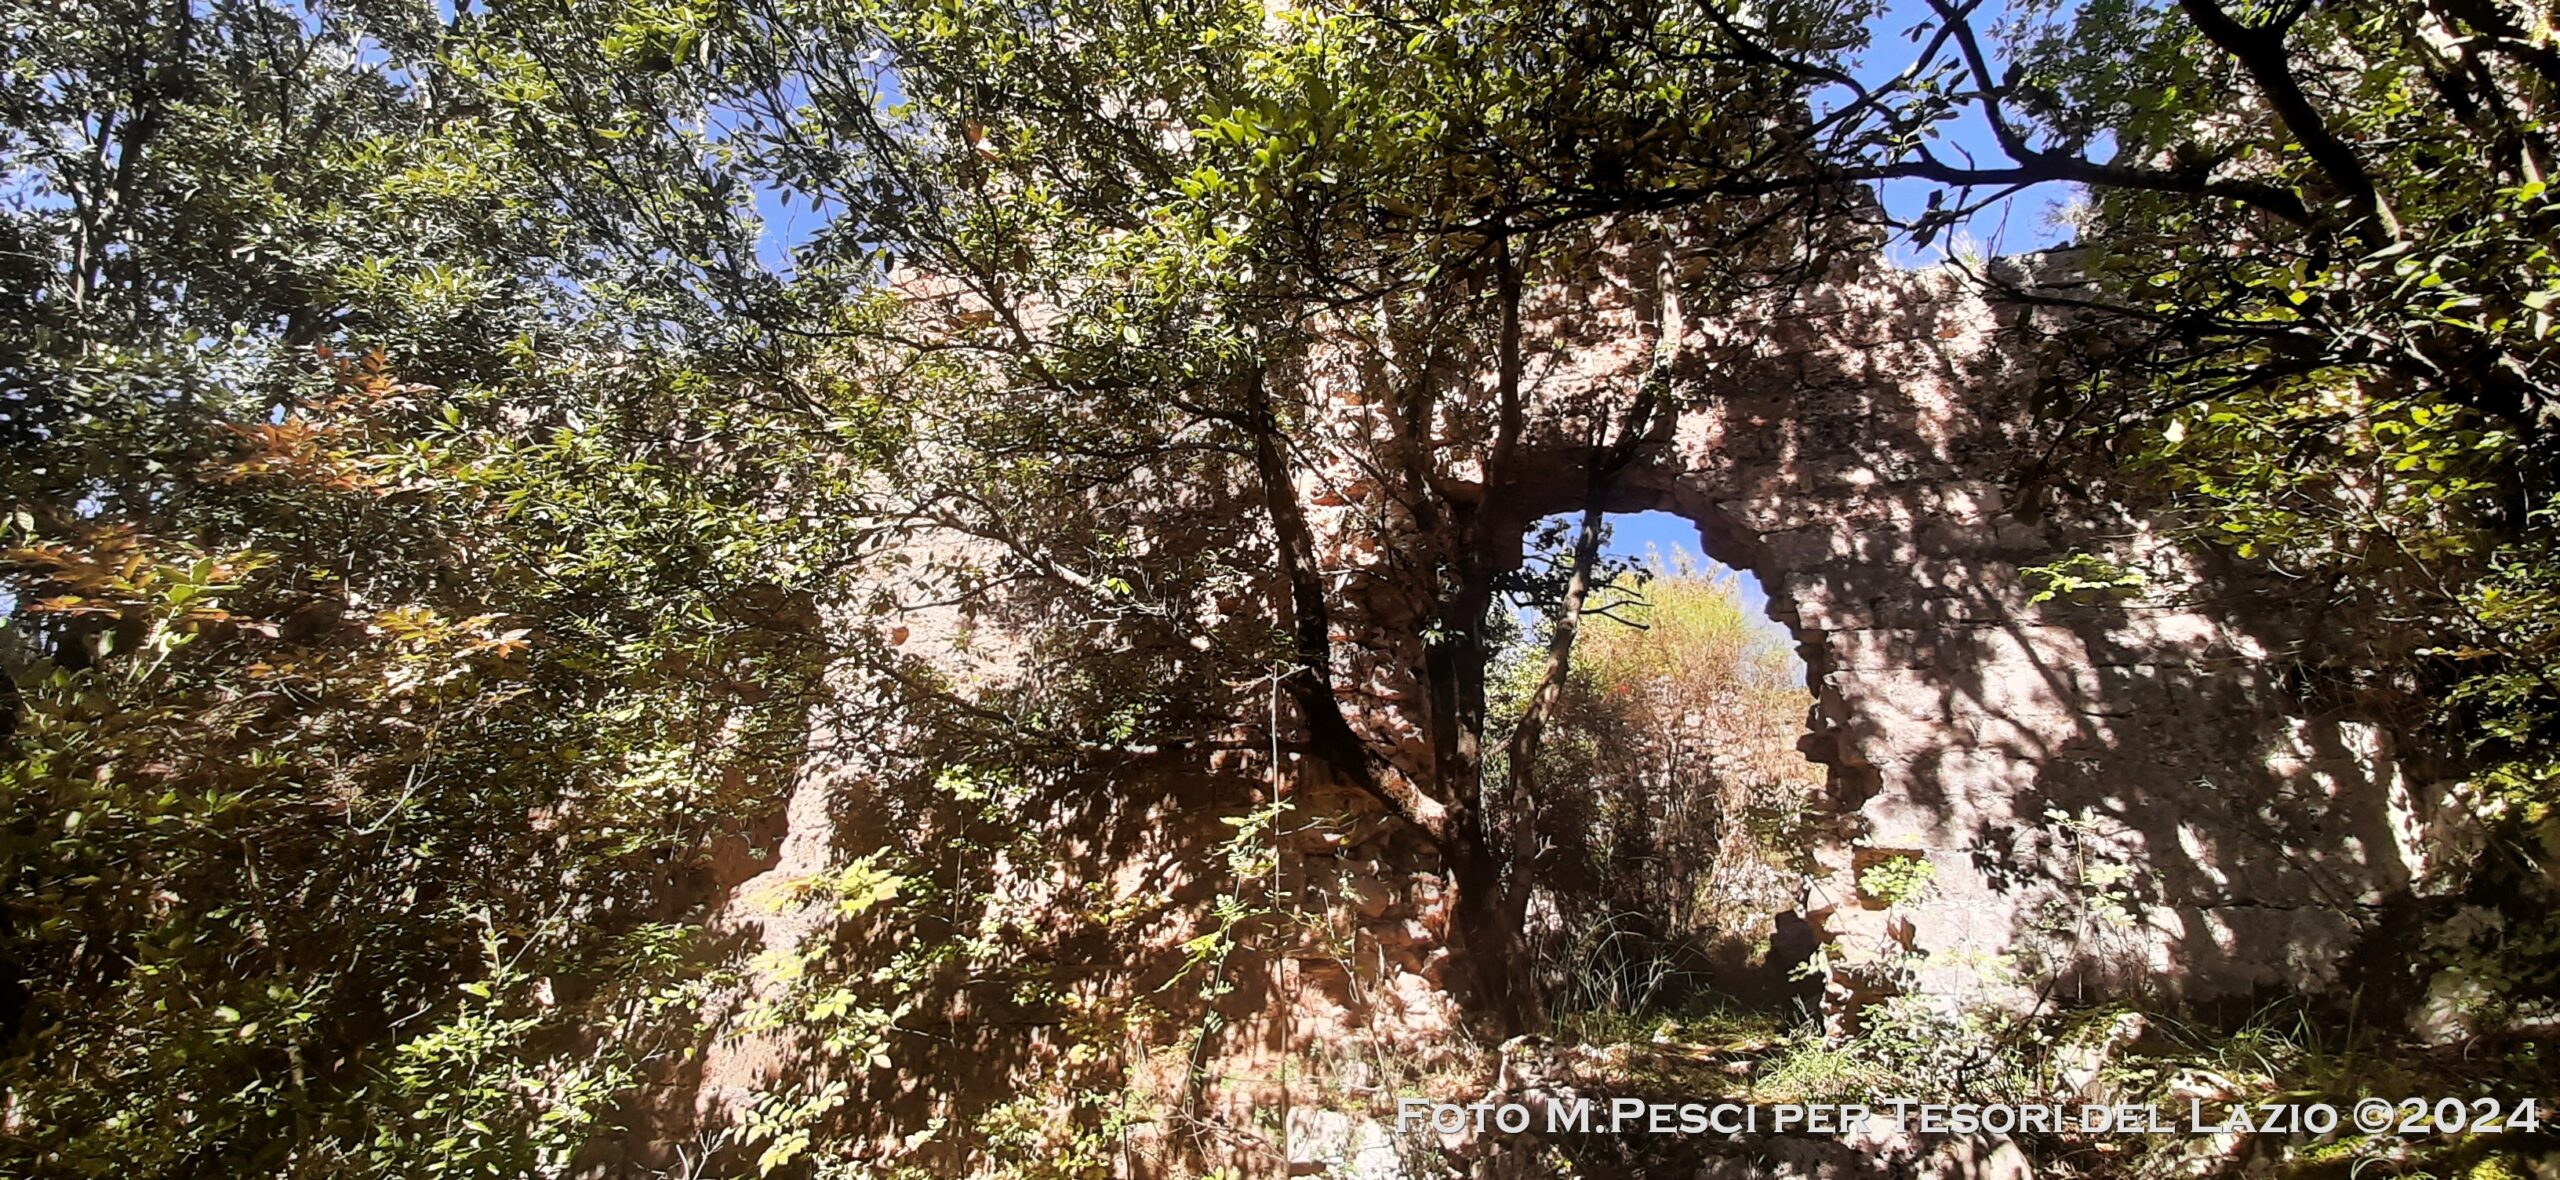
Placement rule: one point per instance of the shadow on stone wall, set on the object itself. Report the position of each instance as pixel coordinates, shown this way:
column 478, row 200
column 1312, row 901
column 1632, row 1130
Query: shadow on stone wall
column 2133, row 798
column 2125, row 798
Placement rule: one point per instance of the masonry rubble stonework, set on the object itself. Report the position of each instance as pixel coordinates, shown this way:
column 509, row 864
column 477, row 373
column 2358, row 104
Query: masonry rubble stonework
column 2118, row 798
column 2130, row 798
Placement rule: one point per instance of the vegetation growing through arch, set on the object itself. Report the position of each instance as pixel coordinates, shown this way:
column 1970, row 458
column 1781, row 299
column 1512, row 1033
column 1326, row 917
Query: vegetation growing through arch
column 1676, row 825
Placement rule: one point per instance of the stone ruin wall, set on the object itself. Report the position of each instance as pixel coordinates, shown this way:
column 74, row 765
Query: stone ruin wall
column 1860, row 451
column 2124, row 799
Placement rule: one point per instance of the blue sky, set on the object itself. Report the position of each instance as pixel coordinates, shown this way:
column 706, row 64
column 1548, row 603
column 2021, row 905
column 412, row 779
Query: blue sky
column 2016, row 224
column 1636, row 535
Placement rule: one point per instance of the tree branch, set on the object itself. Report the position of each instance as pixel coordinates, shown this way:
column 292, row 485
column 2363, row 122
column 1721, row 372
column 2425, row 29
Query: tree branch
column 2261, row 52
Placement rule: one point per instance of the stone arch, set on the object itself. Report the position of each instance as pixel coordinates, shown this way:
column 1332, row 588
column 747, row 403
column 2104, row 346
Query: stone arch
column 2114, row 797
column 1859, row 450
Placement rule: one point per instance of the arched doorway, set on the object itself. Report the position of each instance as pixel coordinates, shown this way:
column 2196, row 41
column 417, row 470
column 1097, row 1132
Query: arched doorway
column 1673, row 806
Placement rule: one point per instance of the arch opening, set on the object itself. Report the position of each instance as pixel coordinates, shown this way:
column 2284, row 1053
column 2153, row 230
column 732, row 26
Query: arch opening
column 1674, row 809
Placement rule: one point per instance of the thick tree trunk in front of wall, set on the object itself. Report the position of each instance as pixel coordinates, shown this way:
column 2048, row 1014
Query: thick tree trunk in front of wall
column 1485, row 939
column 1483, row 935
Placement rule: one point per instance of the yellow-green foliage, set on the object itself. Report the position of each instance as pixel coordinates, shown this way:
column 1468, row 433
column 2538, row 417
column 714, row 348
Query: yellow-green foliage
column 1897, row 880
column 1688, row 654
column 1672, row 758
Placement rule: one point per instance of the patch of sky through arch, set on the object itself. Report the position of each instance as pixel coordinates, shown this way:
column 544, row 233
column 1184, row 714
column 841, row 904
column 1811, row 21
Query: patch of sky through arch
column 1663, row 538
column 1639, row 536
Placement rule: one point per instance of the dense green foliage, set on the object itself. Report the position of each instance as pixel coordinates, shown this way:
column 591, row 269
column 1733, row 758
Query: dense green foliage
column 336, row 839
column 368, row 704
column 433, row 496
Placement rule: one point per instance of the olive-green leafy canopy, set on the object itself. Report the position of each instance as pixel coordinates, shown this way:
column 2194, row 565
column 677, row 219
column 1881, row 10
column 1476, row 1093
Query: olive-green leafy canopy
column 433, row 473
